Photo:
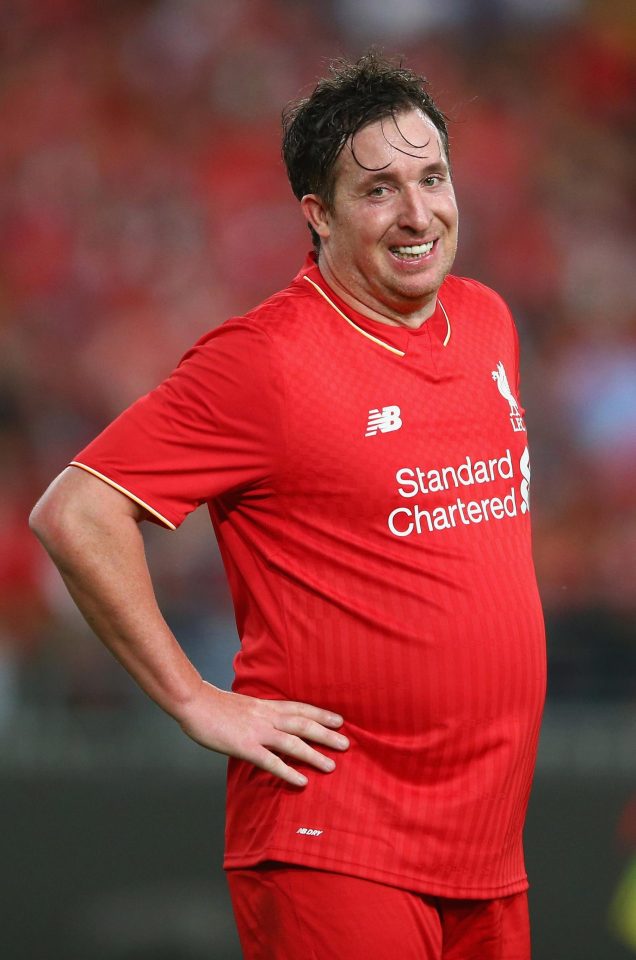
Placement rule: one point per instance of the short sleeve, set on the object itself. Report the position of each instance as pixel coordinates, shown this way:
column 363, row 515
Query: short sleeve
column 214, row 426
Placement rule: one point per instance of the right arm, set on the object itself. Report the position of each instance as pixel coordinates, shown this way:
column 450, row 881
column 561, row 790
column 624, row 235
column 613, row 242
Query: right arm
column 91, row 532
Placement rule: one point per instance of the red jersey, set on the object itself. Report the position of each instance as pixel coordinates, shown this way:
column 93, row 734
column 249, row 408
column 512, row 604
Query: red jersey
column 368, row 486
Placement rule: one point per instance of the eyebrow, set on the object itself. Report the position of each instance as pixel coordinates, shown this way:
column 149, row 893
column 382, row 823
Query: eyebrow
column 371, row 177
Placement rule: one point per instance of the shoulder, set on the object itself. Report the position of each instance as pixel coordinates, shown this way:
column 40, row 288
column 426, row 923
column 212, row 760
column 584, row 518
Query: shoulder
column 472, row 293
column 286, row 313
column 280, row 316
column 256, row 340
column 472, row 305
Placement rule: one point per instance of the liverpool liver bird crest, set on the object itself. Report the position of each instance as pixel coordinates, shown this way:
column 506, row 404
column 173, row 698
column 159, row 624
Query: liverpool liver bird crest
column 504, row 389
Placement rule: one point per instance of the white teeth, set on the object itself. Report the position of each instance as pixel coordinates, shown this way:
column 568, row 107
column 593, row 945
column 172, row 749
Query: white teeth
column 418, row 251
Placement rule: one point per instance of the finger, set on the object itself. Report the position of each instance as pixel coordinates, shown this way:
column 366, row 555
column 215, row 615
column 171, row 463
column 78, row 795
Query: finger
column 327, row 718
column 312, row 730
column 294, row 747
column 276, row 765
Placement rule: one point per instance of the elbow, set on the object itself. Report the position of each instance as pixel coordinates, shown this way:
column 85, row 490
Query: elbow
column 45, row 522
column 78, row 510
column 36, row 524
column 53, row 520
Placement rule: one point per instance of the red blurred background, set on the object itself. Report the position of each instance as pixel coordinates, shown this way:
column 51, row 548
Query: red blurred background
column 143, row 201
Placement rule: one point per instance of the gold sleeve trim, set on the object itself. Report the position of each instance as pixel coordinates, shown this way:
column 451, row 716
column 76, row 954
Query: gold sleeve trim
column 369, row 336
column 131, row 496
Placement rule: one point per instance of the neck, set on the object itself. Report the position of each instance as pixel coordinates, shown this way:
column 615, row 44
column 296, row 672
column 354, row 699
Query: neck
column 393, row 318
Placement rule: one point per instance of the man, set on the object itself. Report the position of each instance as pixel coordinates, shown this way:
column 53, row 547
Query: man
column 359, row 442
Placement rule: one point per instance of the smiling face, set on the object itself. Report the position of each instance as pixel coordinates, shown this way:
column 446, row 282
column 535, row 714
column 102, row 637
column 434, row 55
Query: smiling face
column 389, row 238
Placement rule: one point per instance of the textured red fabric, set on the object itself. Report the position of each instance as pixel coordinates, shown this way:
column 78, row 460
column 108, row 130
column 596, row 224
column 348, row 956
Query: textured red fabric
column 369, row 490
column 295, row 913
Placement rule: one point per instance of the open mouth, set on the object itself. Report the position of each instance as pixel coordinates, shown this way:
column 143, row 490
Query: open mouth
column 414, row 252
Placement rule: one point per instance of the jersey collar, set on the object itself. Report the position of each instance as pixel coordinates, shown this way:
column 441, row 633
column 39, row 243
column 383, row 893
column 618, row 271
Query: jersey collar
column 394, row 339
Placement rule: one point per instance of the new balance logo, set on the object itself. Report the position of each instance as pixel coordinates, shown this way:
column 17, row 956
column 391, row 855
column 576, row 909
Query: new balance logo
column 384, row 421
column 309, row 832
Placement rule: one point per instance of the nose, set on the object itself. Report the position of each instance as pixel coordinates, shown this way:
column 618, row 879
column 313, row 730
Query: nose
column 415, row 212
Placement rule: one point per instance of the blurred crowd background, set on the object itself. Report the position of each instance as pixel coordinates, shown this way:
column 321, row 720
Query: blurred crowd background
column 143, row 201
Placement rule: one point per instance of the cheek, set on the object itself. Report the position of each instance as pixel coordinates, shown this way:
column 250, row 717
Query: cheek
column 357, row 239
column 451, row 212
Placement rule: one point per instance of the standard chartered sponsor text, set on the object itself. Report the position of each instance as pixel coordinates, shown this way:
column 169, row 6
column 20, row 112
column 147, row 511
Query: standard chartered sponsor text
column 421, row 517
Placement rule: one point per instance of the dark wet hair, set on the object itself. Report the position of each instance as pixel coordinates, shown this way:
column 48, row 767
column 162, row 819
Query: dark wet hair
column 354, row 94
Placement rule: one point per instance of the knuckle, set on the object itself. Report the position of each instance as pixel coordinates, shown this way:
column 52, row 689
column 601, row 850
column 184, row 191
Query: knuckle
column 272, row 763
column 292, row 745
column 287, row 706
column 305, row 726
column 282, row 741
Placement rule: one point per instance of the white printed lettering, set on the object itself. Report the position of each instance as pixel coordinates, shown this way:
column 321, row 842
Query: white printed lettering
column 507, row 461
column 474, row 511
column 392, row 527
column 496, row 508
column 481, row 472
column 403, row 522
column 404, row 477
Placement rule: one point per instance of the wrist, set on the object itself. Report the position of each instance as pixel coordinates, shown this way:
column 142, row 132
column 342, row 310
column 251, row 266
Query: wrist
column 185, row 708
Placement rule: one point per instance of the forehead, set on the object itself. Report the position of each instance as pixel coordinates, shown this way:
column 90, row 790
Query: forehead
column 408, row 136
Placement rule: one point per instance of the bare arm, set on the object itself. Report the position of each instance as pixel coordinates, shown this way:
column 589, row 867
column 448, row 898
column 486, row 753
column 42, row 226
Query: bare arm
column 92, row 533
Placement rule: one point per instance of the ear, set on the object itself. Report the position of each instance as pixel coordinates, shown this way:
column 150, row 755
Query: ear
column 316, row 214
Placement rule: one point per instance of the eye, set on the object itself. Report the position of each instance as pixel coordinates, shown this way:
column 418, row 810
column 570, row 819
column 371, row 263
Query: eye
column 379, row 191
column 432, row 180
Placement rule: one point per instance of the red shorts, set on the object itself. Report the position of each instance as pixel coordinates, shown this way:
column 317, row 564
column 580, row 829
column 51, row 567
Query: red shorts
column 286, row 912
